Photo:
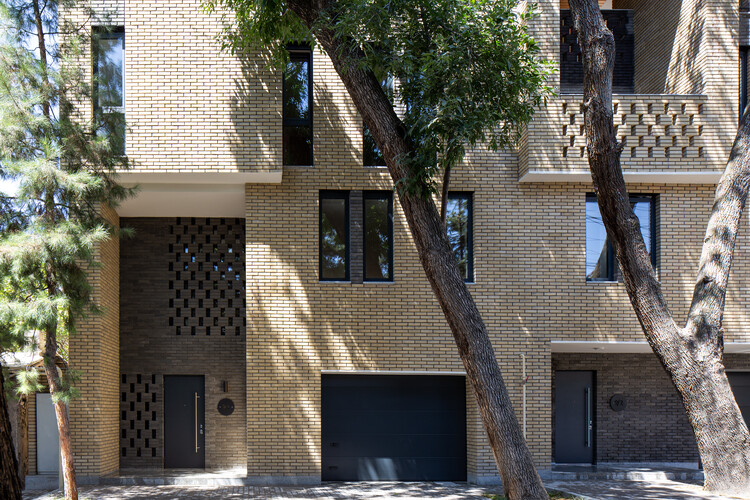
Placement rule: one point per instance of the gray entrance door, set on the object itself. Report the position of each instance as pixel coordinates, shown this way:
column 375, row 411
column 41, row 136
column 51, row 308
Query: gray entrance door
column 574, row 417
column 184, row 422
column 740, row 382
column 393, row 427
column 47, row 437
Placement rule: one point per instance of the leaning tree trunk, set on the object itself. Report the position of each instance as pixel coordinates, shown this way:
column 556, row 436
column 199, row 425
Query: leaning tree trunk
column 514, row 461
column 692, row 355
column 10, row 482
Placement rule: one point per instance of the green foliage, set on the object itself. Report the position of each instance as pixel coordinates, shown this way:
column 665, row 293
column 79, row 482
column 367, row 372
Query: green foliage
column 468, row 72
column 65, row 171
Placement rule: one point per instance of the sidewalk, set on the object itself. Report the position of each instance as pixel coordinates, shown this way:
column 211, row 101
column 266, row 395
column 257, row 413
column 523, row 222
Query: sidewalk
column 588, row 489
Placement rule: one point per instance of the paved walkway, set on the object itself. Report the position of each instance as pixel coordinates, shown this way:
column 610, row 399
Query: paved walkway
column 588, row 489
column 662, row 489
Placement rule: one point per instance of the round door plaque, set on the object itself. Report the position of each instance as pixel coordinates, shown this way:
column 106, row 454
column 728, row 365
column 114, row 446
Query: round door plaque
column 618, row 402
column 226, row 406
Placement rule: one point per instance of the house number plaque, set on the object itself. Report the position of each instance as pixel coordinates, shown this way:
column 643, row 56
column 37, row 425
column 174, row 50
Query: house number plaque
column 618, row 402
column 226, row 406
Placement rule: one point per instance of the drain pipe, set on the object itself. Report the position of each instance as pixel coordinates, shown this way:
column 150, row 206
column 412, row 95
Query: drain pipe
column 524, row 379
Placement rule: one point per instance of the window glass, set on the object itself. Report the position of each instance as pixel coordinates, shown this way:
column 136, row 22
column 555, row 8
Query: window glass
column 459, row 226
column 109, row 88
column 373, row 157
column 600, row 258
column 297, row 109
column 334, row 240
column 378, row 228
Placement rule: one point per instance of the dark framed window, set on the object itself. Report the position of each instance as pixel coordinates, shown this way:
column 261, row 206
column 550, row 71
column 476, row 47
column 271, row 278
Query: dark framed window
column 109, row 85
column 459, row 224
column 744, row 72
column 297, row 108
column 378, row 231
column 600, row 256
column 373, row 157
column 334, row 236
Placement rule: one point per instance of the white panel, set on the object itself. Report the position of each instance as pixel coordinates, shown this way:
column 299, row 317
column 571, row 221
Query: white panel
column 47, row 440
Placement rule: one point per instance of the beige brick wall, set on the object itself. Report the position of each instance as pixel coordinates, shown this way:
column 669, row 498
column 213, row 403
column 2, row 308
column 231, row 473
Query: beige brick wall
column 94, row 353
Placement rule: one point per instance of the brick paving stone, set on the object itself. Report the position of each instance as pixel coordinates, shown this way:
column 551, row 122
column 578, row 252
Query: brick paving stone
column 635, row 490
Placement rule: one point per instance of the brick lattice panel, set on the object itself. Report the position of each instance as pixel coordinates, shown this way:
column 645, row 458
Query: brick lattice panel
column 141, row 411
column 207, row 276
column 658, row 128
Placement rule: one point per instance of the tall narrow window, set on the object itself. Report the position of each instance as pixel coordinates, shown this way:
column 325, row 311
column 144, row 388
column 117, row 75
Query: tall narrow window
column 600, row 255
column 458, row 218
column 109, row 87
column 378, row 229
column 334, row 235
column 373, row 157
column 297, row 139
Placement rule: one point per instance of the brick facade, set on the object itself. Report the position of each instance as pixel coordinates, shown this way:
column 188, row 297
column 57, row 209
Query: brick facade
column 192, row 108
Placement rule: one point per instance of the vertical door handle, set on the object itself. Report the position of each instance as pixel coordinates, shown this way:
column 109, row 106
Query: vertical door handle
column 589, row 423
column 196, row 422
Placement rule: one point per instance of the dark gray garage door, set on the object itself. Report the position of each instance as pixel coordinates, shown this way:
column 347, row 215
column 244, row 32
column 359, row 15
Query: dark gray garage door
column 393, row 427
column 740, row 382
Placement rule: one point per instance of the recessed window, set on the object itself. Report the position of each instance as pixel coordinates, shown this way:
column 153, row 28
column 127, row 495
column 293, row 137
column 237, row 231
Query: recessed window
column 109, row 86
column 378, row 231
column 600, row 255
column 334, row 235
column 458, row 220
column 373, row 157
column 297, row 107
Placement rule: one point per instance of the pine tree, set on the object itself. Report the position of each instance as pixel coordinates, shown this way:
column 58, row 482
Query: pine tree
column 65, row 165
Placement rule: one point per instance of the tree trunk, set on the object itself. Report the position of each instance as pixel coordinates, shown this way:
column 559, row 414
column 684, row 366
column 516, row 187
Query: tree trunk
column 693, row 355
column 514, row 461
column 10, row 482
column 61, row 413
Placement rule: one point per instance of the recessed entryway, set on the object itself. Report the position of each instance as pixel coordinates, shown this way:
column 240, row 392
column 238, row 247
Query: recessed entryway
column 574, row 417
column 184, row 422
column 393, row 427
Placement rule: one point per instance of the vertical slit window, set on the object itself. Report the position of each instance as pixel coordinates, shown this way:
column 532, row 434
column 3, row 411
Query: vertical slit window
column 744, row 72
column 458, row 221
column 373, row 157
column 109, row 86
column 334, row 235
column 378, row 229
column 297, row 108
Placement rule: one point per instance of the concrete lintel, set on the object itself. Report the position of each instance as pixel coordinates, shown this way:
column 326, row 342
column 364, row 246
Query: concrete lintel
column 262, row 177
column 650, row 177
column 626, row 346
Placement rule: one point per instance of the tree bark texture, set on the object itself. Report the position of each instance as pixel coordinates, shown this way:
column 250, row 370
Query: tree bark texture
column 514, row 461
column 692, row 355
column 10, row 482
column 63, row 423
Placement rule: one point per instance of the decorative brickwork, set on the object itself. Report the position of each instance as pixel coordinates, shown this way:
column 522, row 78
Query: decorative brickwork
column 150, row 347
column 208, row 265
column 141, row 420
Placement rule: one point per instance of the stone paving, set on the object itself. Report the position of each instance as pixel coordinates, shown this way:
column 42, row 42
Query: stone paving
column 662, row 489
column 333, row 491
column 586, row 489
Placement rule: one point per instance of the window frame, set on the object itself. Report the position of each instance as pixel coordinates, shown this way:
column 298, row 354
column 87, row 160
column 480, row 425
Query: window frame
column 335, row 195
column 299, row 52
column 612, row 276
column 108, row 33
column 377, row 195
column 389, row 87
column 469, row 196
